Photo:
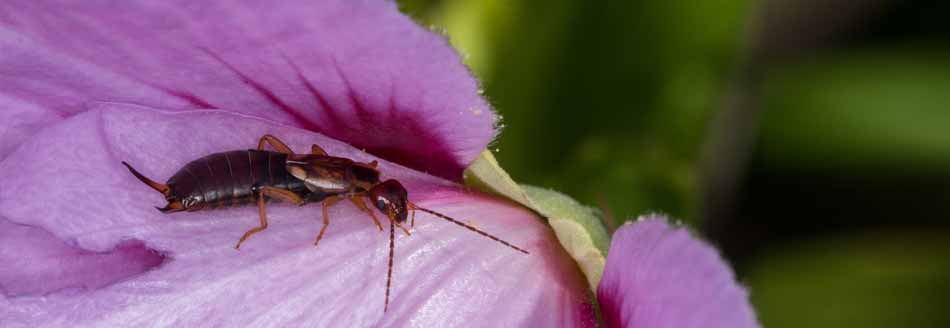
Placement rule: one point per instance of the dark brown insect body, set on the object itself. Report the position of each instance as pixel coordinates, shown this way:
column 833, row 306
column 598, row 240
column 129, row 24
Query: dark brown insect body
column 244, row 176
column 229, row 179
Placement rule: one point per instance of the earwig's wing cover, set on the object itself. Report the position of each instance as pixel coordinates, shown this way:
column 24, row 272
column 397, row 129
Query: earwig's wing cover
column 321, row 173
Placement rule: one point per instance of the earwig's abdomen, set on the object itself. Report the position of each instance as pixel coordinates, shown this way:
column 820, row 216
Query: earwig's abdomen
column 229, row 178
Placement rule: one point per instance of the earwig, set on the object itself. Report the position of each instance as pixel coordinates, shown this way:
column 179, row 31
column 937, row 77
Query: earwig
column 241, row 177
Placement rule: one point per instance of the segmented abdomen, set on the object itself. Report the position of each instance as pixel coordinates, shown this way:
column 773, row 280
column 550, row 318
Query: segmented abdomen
column 228, row 178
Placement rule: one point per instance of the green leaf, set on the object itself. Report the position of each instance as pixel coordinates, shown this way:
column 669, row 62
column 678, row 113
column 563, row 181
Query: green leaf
column 577, row 227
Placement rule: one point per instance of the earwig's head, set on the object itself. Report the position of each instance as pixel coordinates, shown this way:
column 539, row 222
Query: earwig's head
column 390, row 197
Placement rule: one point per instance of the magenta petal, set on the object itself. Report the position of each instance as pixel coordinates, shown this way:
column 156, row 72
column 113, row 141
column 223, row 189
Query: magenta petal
column 658, row 275
column 358, row 71
column 35, row 262
column 19, row 119
column 71, row 188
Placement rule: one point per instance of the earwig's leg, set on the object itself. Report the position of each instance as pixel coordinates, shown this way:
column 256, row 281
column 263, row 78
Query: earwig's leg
column 403, row 228
column 389, row 274
column 358, row 201
column 316, row 150
column 412, row 222
column 329, row 201
column 274, row 142
column 260, row 207
column 284, row 194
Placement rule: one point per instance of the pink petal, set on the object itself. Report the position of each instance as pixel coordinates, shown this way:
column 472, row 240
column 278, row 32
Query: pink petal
column 70, row 185
column 19, row 119
column 358, row 71
column 660, row 276
column 35, row 262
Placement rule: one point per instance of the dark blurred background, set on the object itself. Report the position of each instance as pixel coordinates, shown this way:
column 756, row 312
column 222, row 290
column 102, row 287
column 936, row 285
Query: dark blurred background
column 808, row 139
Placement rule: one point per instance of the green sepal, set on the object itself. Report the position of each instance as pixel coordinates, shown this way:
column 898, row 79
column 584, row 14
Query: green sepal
column 578, row 228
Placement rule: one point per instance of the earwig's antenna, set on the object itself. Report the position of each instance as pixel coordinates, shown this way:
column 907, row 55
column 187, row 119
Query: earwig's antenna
column 155, row 185
column 392, row 248
column 467, row 226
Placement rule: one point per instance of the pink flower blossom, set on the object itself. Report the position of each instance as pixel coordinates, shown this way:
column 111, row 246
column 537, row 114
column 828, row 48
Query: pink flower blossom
column 659, row 276
column 86, row 85
column 88, row 248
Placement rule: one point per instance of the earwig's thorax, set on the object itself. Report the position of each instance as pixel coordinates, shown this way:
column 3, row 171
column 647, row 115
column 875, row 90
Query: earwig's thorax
column 364, row 176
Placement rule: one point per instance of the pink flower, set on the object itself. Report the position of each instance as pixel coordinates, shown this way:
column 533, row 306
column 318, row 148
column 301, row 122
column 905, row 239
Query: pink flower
column 85, row 85
column 88, row 248
column 660, row 276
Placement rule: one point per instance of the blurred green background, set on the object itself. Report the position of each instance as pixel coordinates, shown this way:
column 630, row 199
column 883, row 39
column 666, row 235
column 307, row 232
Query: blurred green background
column 809, row 140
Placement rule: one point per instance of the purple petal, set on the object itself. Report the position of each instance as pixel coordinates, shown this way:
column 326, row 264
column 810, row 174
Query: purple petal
column 19, row 120
column 660, row 276
column 358, row 71
column 35, row 262
column 69, row 185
